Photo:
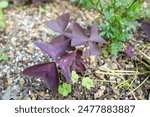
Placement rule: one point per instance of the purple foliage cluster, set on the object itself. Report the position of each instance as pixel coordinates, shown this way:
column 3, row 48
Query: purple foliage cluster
column 62, row 50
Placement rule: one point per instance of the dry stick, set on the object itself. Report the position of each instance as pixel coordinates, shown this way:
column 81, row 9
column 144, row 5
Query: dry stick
column 134, row 96
column 138, row 86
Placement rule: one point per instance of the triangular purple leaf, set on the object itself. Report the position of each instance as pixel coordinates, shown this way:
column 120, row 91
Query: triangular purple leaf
column 47, row 72
column 69, row 47
column 79, row 36
column 63, row 21
column 60, row 39
column 92, row 49
column 52, row 50
column 59, row 25
column 68, row 32
column 78, row 64
column 94, row 35
column 65, row 64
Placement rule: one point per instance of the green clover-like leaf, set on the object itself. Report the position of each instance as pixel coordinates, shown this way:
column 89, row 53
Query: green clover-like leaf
column 2, row 24
column 74, row 77
column 3, row 4
column 64, row 89
column 1, row 50
column 87, row 82
column 4, row 57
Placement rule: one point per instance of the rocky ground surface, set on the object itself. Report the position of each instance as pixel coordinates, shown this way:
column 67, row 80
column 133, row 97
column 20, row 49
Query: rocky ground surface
column 25, row 24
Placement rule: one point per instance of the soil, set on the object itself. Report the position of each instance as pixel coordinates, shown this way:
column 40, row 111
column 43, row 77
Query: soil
column 26, row 23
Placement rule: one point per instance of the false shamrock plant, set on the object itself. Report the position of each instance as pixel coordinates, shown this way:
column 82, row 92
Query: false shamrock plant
column 86, row 81
column 3, row 5
column 3, row 57
column 65, row 56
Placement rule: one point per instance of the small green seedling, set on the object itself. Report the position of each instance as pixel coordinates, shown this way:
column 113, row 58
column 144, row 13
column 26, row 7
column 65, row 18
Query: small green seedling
column 64, row 89
column 43, row 10
column 3, row 5
column 2, row 55
column 74, row 77
column 87, row 82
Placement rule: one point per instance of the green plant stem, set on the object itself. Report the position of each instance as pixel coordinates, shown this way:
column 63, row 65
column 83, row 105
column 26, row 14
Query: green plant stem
column 105, row 81
column 139, row 85
column 142, row 46
column 121, row 72
column 122, row 83
column 129, row 7
column 144, row 54
column 135, row 77
column 105, row 68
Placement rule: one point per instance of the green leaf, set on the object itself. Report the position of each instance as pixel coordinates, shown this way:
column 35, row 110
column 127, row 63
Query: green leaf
column 2, row 24
column 43, row 10
column 74, row 77
column 115, row 48
column 102, row 33
column 4, row 57
column 64, row 89
column 105, row 53
column 3, row 4
column 87, row 82
column 1, row 50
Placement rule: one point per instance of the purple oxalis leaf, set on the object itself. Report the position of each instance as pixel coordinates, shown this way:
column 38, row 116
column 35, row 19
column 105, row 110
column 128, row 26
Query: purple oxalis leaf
column 78, row 64
column 68, row 32
column 47, row 72
column 60, row 24
column 94, row 35
column 92, row 50
column 129, row 51
column 71, row 61
column 80, row 38
column 53, row 50
column 146, row 27
column 65, row 64
column 60, row 39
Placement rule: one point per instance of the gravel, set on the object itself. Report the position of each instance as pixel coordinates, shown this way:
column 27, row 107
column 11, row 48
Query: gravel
column 25, row 24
